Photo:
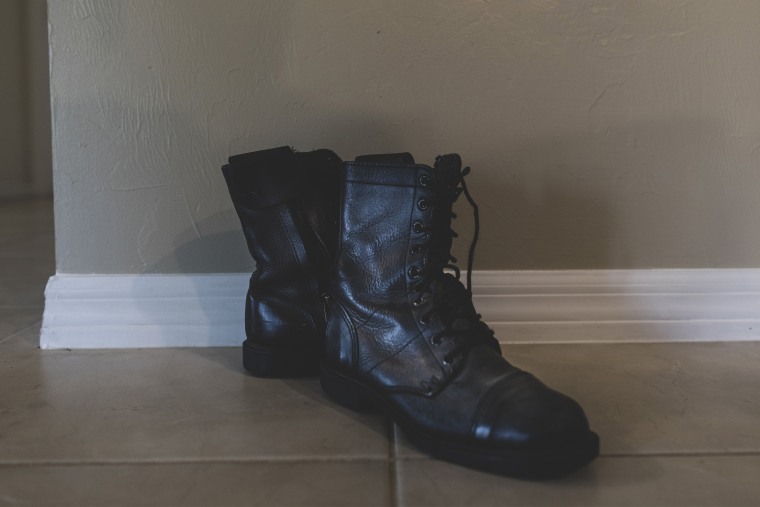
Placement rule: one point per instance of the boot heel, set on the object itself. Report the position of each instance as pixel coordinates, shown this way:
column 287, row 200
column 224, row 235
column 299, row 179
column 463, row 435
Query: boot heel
column 344, row 391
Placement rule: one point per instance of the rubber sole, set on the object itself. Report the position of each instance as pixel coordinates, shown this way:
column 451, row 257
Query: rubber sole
column 526, row 465
column 271, row 362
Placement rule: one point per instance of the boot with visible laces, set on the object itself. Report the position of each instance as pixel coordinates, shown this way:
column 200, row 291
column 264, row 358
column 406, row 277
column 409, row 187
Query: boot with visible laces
column 403, row 337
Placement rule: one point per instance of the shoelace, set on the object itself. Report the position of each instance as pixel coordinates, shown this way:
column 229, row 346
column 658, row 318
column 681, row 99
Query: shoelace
column 452, row 298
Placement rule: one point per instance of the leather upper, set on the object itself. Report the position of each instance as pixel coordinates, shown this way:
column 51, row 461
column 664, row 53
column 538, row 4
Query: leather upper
column 286, row 202
column 390, row 330
column 372, row 288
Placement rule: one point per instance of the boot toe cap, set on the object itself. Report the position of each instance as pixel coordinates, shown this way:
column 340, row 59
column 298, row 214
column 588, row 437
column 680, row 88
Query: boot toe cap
column 524, row 415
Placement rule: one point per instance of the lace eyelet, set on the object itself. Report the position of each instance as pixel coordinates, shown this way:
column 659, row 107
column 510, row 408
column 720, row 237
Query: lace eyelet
column 417, row 226
column 425, row 320
column 424, row 180
column 415, row 272
column 417, row 302
column 416, row 249
column 423, row 204
column 436, row 341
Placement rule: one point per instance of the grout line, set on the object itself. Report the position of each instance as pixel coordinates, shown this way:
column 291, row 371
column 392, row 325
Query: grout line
column 585, row 322
column 682, row 454
column 625, row 341
column 392, row 460
column 193, row 461
column 674, row 454
column 393, row 469
column 21, row 331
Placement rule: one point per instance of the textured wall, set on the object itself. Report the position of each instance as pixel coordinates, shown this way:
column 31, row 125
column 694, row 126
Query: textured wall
column 602, row 134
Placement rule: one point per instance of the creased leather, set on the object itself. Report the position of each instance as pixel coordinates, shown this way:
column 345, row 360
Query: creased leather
column 377, row 336
column 287, row 205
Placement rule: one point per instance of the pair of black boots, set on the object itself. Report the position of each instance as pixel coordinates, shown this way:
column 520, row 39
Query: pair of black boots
column 351, row 283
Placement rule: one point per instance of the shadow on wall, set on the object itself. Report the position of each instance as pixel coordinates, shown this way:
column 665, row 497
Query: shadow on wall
column 210, row 253
column 223, row 251
column 211, row 320
column 213, row 244
column 553, row 202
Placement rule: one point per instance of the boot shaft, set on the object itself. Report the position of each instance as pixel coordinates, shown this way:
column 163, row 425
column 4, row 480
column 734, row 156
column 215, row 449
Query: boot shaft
column 397, row 213
column 377, row 228
column 287, row 205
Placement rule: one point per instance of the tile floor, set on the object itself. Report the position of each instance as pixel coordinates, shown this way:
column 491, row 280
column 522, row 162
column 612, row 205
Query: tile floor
column 679, row 423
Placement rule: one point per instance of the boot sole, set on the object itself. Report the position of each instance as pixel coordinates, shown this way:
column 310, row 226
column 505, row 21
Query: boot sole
column 545, row 464
column 271, row 362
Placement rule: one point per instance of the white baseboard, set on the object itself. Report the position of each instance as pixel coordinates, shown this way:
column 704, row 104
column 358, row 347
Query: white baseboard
column 118, row 311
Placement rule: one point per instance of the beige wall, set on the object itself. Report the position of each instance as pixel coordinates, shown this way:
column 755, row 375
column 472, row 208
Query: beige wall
column 602, row 134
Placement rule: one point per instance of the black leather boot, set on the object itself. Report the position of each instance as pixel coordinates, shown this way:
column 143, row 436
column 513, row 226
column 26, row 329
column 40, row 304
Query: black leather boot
column 287, row 204
column 454, row 301
column 394, row 345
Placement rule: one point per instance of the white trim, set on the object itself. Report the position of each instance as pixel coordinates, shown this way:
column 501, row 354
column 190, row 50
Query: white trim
column 125, row 311
column 115, row 311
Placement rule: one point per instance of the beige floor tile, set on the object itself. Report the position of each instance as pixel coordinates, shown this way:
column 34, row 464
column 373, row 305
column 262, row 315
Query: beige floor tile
column 13, row 321
column 15, row 294
column 27, row 257
column 14, row 209
column 361, row 483
column 24, row 341
column 654, row 398
column 144, row 404
column 190, row 427
column 166, row 403
column 22, row 267
column 635, row 481
column 651, row 398
column 23, row 280
column 37, row 245
column 25, row 221
column 40, row 246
